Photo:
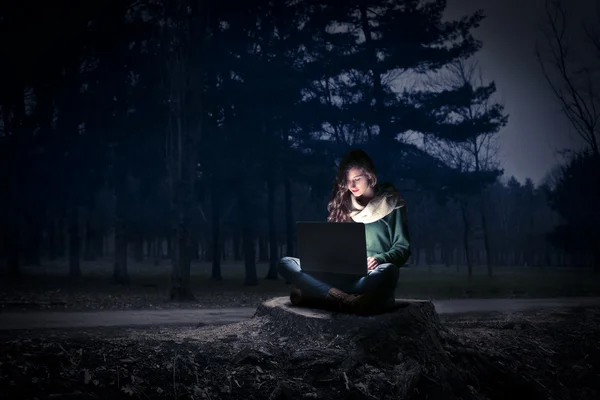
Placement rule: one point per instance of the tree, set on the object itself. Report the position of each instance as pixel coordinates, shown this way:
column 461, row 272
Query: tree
column 571, row 68
column 575, row 197
column 480, row 119
column 186, row 74
column 469, row 119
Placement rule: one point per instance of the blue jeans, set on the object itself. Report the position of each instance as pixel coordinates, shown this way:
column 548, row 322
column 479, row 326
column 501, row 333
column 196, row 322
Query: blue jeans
column 382, row 280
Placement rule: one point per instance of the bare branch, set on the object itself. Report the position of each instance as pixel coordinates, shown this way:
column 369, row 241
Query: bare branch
column 575, row 89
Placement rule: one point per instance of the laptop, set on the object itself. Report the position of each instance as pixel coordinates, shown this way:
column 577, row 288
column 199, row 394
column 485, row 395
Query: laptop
column 332, row 248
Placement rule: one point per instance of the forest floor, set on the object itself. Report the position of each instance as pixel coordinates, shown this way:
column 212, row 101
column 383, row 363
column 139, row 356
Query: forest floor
column 49, row 287
column 550, row 354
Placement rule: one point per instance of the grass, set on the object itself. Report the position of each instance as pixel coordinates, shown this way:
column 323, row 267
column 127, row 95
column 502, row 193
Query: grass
column 48, row 286
column 444, row 283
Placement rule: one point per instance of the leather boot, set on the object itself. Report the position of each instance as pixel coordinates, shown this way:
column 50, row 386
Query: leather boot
column 299, row 299
column 343, row 301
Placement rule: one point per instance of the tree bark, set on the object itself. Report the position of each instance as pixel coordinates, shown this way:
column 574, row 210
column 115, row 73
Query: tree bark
column 14, row 236
column 237, row 245
column 194, row 246
column 184, row 200
column 138, row 249
column 263, row 247
column 34, row 239
column 90, row 247
column 251, row 278
column 13, row 241
column 216, row 232
column 74, row 242
column 120, row 274
column 466, row 226
column 51, row 237
column 273, row 254
column 157, row 252
column 62, row 237
column 289, row 218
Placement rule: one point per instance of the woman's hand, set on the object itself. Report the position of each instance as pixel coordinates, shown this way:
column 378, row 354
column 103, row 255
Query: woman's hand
column 372, row 263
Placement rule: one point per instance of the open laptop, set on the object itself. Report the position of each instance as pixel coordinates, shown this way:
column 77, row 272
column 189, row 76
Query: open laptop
column 332, row 248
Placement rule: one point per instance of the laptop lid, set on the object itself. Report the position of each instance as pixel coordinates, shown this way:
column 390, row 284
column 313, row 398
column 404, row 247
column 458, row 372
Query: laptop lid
column 332, row 247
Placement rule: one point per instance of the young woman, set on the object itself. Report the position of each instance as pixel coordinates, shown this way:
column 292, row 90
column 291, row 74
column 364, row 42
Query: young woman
column 356, row 197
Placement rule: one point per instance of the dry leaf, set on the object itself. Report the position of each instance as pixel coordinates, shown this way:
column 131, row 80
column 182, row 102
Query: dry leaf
column 198, row 392
column 87, row 377
column 128, row 390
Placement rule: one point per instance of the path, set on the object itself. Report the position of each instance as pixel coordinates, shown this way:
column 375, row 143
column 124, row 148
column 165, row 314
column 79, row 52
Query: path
column 217, row 316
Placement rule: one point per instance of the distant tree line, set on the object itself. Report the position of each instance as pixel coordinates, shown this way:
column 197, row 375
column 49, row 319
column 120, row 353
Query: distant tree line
column 206, row 129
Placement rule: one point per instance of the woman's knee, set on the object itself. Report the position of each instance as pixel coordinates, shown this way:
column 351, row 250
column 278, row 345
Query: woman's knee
column 390, row 270
column 288, row 266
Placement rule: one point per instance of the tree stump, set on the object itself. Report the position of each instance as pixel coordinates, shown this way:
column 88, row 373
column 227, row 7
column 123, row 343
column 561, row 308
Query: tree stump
column 406, row 343
column 416, row 315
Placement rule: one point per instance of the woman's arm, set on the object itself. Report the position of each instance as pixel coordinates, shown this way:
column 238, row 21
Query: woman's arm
column 400, row 249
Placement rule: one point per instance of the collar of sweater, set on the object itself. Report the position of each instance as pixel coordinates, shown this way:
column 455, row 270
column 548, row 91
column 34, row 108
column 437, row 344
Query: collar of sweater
column 386, row 200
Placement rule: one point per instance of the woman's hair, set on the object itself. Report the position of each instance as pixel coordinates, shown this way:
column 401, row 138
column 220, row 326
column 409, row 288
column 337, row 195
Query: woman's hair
column 340, row 202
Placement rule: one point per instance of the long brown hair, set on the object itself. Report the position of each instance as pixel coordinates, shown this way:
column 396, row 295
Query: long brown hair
column 340, row 202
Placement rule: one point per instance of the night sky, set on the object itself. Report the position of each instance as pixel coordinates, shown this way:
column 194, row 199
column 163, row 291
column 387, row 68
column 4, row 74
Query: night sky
column 536, row 128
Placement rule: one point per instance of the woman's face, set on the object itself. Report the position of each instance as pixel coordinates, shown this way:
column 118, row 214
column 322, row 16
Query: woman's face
column 357, row 181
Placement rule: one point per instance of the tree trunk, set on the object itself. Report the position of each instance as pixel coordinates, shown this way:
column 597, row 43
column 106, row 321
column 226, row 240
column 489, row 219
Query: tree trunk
column 121, row 239
column 99, row 243
column 429, row 255
column 417, row 256
column 180, row 271
column 74, row 242
column 14, row 236
column 263, row 250
column 157, row 244
column 237, row 246
column 34, row 239
column 51, row 239
column 184, row 200
column 12, row 241
column 169, row 247
column 289, row 218
column 61, row 237
column 466, row 226
column 273, row 254
column 89, row 250
column 194, row 246
column 138, row 248
column 216, row 232
column 251, row 279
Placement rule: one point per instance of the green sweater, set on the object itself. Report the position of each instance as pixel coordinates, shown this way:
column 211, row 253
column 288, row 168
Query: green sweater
column 385, row 226
column 387, row 238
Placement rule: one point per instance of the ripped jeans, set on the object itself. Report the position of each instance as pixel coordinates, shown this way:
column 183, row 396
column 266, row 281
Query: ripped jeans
column 382, row 280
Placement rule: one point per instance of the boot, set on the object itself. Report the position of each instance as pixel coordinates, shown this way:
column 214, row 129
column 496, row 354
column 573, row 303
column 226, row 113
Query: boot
column 344, row 302
column 298, row 299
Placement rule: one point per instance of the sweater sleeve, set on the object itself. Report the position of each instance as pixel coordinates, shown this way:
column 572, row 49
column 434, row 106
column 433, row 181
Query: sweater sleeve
column 400, row 248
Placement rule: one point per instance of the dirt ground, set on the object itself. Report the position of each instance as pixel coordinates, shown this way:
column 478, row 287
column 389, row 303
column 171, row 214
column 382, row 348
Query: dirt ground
column 545, row 354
